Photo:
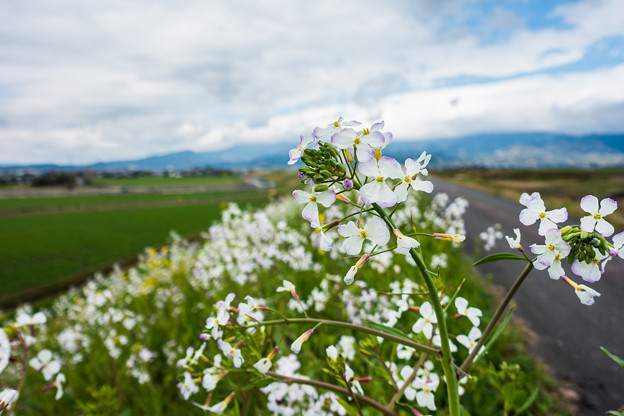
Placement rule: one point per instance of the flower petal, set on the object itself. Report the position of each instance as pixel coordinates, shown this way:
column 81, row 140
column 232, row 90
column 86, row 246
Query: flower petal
column 589, row 204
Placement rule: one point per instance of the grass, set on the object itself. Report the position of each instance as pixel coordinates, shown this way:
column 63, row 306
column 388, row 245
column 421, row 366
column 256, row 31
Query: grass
column 558, row 187
column 161, row 181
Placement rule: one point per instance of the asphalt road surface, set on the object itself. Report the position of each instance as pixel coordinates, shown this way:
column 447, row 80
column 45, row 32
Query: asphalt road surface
column 569, row 334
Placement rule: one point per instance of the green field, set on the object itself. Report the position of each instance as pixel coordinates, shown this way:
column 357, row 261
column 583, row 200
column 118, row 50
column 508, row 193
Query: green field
column 161, row 181
column 50, row 242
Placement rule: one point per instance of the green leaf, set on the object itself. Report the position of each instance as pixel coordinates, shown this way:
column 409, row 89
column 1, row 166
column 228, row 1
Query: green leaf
column 388, row 330
column 615, row 413
column 528, row 402
column 350, row 410
column 613, row 357
column 496, row 333
column 497, row 257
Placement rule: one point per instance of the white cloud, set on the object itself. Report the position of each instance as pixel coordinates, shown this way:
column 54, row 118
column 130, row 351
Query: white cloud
column 149, row 77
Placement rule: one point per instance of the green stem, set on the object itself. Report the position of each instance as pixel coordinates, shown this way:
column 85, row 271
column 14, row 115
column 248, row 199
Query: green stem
column 399, row 340
column 452, row 387
column 497, row 315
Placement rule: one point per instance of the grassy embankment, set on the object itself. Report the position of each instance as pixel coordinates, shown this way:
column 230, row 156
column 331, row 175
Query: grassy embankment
column 558, row 187
column 51, row 242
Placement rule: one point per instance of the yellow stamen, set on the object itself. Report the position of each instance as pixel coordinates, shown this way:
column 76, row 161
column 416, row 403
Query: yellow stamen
column 597, row 216
column 380, row 179
column 365, row 132
column 336, row 124
column 542, row 215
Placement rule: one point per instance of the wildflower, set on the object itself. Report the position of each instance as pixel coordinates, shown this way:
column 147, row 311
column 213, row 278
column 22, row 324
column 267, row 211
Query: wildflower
column 312, row 199
column 425, row 397
column 58, row 384
column 288, row 287
column 219, row 407
column 332, row 352
column 377, row 191
column 45, row 362
column 250, row 312
column 325, row 243
column 514, row 243
column 232, row 352
column 472, row 313
column 213, row 323
column 187, row 387
column 347, row 347
column 426, row 322
column 7, row 398
column 295, row 154
column 5, row 350
column 326, row 133
column 551, row 253
column 264, row 364
column 298, row 343
column 585, row 294
column 347, row 184
column 470, row 341
column 24, row 319
column 350, row 276
column 410, row 178
column 592, row 271
column 455, row 239
column 211, row 379
column 595, row 218
column 404, row 243
column 349, row 375
column 490, row 236
column 536, row 210
column 439, row 260
column 375, row 230
column 363, row 142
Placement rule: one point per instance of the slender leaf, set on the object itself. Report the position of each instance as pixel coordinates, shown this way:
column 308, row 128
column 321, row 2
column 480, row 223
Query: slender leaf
column 388, row 330
column 496, row 333
column 613, row 357
column 615, row 413
column 528, row 402
column 350, row 410
column 497, row 257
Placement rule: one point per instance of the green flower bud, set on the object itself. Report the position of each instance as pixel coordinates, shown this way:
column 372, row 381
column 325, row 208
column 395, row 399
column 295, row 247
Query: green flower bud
column 321, row 188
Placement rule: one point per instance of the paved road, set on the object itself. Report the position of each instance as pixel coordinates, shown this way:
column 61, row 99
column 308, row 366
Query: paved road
column 569, row 334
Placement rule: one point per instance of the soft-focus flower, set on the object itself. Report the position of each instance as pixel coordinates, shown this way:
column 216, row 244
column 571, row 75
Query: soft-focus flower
column 514, row 243
column 425, row 397
column 288, row 287
column 214, row 323
column 232, row 352
column 536, row 210
column 592, row 271
column 325, row 133
column 187, row 387
column 410, row 179
column 312, row 199
column 347, row 184
column 471, row 340
column 364, row 142
column 211, row 378
column 472, row 313
column 455, row 239
column 350, row 276
column 296, row 345
column 60, row 379
column 404, row 243
column 374, row 230
column 24, row 319
column 7, row 398
column 264, row 364
column 550, row 253
column 46, row 363
column 585, row 294
column 332, row 352
column 490, row 235
column 325, row 243
column 295, row 154
column 5, row 350
column 425, row 324
column 217, row 408
column 378, row 191
column 595, row 218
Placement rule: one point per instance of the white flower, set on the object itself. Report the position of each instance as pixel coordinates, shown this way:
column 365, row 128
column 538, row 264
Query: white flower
column 350, row 276
column 211, row 378
column 425, row 324
column 7, row 398
column 364, row 142
column 298, row 343
column 472, row 313
column 325, row 243
column 490, row 236
column 231, row 352
column 585, row 294
column 592, row 271
column 264, row 364
column 471, row 340
column 595, row 218
column 288, row 287
column 217, row 408
column 24, row 319
column 410, row 178
column 295, row 154
column 60, row 379
column 46, row 363
column 514, row 243
column 213, row 323
column 536, row 210
column 332, row 352
column 551, row 253
column 404, row 243
column 327, row 132
column 187, row 387
column 374, row 230
column 425, row 397
column 5, row 350
column 312, row 199
column 378, row 191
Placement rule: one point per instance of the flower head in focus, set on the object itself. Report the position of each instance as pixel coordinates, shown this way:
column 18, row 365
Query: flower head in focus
column 374, row 230
column 377, row 190
column 536, row 210
column 551, row 253
column 585, row 294
column 312, row 199
column 595, row 219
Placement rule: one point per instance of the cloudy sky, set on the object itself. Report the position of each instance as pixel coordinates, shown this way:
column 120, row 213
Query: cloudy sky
column 84, row 81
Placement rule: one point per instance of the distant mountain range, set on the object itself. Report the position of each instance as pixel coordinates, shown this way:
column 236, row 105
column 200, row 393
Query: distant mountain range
column 503, row 150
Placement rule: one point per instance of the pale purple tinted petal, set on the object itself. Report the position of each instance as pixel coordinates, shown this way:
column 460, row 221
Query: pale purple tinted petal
column 545, row 226
column 374, row 139
column 618, row 241
column 377, row 231
column 401, row 191
column 310, row 213
column 589, row 272
column 588, row 223
column 390, row 168
column 607, row 206
column 364, row 153
column 369, row 193
column 351, row 123
column 377, row 126
column 326, row 198
column 349, row 229
column 301, row 196
column 325, row 243
column 558, row 215
column 528, row 216
column 344, row 138
column 540, row 265
column 589, row 204
column 352, row 245
column 537, row 249
column 369, row 168
column 556, row 271
column 387, row 198
column 294, row 155
column 604, row 228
